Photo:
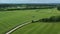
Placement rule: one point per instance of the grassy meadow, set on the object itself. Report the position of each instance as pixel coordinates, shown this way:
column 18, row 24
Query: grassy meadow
column 10, row 19
column 39, row 28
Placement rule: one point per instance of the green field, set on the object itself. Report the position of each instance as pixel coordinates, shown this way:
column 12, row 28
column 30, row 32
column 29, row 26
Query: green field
column 10, row 19
column 39, row 28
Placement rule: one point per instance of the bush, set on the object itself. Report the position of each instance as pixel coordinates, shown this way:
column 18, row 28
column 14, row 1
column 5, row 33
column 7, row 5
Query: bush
column 58, row 8
column 33, row 21
column 44, row 19
column 51, row 19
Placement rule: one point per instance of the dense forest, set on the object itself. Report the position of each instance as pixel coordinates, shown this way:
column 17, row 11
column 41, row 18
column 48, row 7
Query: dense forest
column 26, row 6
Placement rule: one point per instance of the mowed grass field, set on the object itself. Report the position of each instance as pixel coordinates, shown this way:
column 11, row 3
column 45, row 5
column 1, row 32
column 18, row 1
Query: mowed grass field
column 39, row 28
column 10, row 19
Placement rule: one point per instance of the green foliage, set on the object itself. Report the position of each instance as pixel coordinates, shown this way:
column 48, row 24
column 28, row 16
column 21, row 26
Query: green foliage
column 58, row 8
column 8, row 7
column 51, row 19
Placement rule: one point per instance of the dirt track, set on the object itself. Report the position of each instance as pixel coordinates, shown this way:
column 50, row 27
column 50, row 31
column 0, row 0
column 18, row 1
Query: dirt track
column 19, row 26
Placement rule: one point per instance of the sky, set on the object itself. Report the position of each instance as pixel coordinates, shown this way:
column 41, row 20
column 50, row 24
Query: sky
column 29, row 1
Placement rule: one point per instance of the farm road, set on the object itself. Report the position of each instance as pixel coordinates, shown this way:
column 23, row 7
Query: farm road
column 19, row 26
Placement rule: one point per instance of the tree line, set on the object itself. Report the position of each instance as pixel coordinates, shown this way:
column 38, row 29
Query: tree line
column 25, row 6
